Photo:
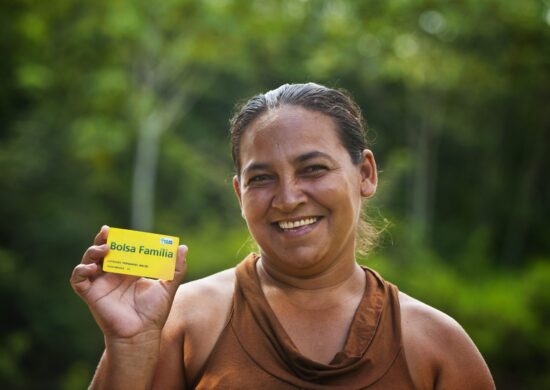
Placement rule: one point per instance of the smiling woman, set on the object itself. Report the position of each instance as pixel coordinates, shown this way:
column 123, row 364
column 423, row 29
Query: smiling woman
column 294, row 168
column 299, row 314
column 349, row 123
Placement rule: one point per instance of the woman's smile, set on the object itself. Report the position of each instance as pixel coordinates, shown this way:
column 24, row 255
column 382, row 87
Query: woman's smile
column 297, row 223
column 297, row 227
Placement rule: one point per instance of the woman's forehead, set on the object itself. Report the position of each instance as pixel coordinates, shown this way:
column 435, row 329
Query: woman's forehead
column 292, row 125
column 288, row 134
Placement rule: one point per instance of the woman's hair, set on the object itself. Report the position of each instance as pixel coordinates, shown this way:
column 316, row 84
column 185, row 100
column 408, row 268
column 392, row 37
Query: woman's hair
column 335, row 103
column 332, row 102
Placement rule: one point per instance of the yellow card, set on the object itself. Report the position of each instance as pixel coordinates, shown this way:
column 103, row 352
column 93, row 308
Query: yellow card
column 141, row 254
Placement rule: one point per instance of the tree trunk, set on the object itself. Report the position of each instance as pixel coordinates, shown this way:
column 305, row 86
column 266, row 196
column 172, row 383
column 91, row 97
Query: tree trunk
column 145, row 173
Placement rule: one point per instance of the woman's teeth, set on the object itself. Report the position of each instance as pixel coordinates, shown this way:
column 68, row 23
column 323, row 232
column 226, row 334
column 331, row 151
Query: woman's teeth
column 294, row 224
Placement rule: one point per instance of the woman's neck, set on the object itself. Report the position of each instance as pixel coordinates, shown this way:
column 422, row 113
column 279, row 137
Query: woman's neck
column 343, row 279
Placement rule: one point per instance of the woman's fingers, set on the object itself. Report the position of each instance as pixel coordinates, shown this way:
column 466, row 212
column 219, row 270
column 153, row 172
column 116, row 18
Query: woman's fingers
column 98, row 251
column 181, row 264
column 80, row 278
column 181, row 269
column 101, row 237
column 94, row 254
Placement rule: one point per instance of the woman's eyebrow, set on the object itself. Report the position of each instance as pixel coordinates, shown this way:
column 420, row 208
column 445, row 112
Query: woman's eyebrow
column 310, row 155
column 255, row 167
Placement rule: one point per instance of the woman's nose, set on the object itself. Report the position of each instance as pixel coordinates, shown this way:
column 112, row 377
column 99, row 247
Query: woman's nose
column 288, row 196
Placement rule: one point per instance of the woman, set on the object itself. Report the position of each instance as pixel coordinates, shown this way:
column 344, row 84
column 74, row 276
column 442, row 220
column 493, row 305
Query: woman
column 302, row 313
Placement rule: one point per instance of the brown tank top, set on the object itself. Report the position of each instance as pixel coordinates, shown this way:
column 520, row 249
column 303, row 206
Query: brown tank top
column 254, row 351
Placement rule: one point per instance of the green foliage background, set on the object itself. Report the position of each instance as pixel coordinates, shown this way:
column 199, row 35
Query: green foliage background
column 115, row 112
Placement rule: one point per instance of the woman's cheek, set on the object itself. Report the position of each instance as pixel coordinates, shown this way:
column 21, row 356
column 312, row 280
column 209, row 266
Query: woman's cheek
column 255, row 201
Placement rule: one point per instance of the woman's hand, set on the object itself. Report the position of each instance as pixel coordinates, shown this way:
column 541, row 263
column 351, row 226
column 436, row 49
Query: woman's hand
column 125, row 307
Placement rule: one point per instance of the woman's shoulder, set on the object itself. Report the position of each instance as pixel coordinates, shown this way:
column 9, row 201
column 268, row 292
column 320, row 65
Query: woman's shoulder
column 439, row 352
column 416, row 314
column 198, row 300
column 198, row 316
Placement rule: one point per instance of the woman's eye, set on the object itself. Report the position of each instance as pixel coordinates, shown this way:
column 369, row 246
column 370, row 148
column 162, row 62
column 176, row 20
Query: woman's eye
column 312, row 169
column 258, row 179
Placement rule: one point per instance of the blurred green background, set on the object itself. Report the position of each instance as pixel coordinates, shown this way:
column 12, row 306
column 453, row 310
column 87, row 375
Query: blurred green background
column 116, row 112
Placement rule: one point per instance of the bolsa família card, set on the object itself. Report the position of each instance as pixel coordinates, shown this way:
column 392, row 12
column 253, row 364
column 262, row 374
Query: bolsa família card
column 141, row 254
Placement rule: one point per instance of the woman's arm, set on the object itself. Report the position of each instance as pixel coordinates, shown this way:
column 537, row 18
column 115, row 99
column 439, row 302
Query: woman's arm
column 128, row 365
column 461, row 365
column 131, row 313
column 439, row 353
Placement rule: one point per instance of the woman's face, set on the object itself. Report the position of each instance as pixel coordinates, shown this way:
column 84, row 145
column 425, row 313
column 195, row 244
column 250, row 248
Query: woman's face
column 299, row 191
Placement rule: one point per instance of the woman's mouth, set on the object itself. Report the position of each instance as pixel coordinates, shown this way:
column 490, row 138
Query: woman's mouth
column 297, row 224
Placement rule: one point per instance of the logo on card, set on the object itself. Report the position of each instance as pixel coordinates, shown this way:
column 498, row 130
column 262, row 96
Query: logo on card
column 165, row 240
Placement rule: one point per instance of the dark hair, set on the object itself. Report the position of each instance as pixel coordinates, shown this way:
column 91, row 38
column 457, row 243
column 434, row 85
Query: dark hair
column 335, row 103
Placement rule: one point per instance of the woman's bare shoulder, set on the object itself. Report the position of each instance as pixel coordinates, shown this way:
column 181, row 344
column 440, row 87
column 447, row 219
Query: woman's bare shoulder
column 196, row 320
column 439, row 352
column 418, row 316
column 204, row 299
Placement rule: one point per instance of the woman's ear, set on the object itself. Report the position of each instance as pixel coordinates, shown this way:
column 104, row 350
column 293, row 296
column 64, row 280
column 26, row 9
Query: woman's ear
column 369, row 174
column 237, row 189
